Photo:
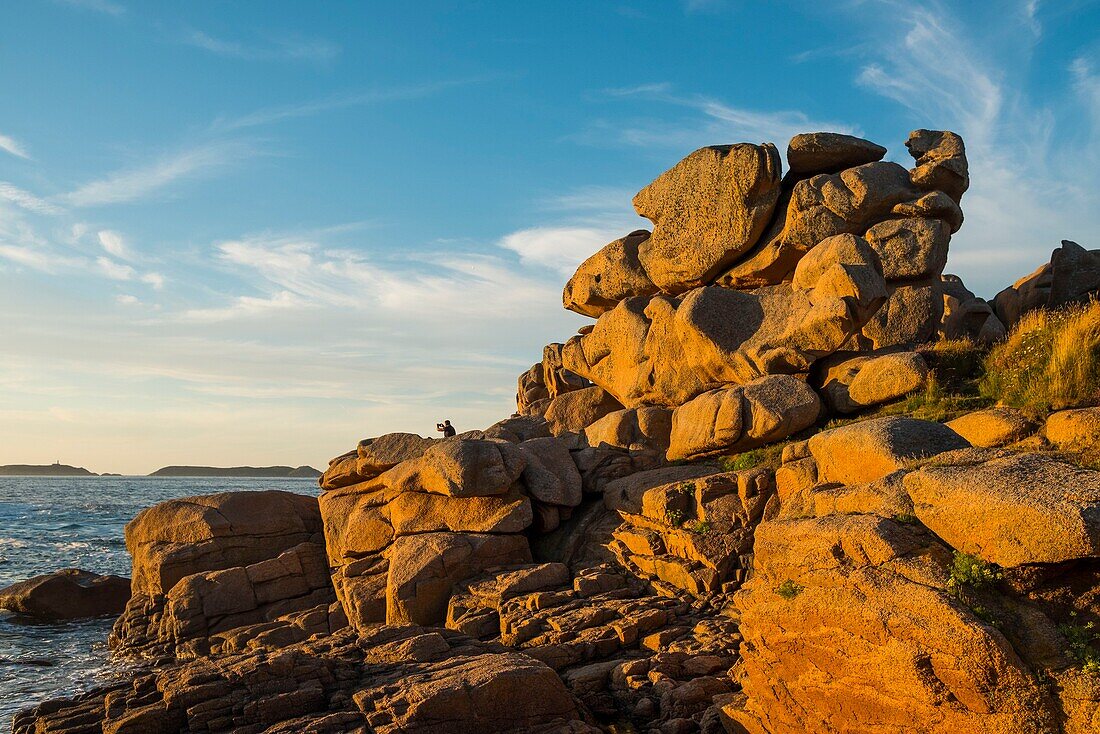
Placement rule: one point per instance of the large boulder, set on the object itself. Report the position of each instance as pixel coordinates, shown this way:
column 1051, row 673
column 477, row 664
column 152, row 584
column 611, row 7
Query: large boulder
column 461, row 468
column 910, row 248
column 212, row 532
column 706, row 211
column 882, row 445
column 849, row 625
column 639, row 429
column 609, row 276
column 735, row 419
column 67, row 594
column 992, row 427
column 1075, row 428
column 237, row 558
column 855, row 383
column 665, row 351
column 424, row 567
column 941, row 162
column 1015, row 510
column 376, row 455
column 571, row 412
column 809, row 153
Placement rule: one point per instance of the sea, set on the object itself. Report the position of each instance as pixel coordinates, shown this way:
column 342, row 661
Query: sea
column 50, row 523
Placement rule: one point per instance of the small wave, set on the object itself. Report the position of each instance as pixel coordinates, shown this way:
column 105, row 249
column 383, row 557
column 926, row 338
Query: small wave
column 13, row 543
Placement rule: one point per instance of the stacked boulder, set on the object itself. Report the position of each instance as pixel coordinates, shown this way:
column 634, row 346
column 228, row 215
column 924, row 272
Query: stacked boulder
column 750, row 275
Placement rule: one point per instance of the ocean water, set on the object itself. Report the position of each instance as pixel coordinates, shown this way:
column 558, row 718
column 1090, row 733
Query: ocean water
column 49, row 523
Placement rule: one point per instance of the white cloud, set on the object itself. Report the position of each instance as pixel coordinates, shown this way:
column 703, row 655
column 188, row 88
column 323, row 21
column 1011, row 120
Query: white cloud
column 11, row 145
column 244, row 307
column 139, row 182
column 125, row 299
column 114, row 244
column 292, row 49
column 154, row 279
column 710, row 122
column 27, row 200
column 561, row 249
column 278, row 113
column 114, row 270
column 1030, row 188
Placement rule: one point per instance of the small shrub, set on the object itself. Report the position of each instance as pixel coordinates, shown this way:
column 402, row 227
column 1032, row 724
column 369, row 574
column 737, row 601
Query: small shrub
column 1050, row 361
column 1079, row 639
column 675, row 518
column 906, row 519
column 789, row 589
column 972, row 572
column 700, row 527
column 764, row 456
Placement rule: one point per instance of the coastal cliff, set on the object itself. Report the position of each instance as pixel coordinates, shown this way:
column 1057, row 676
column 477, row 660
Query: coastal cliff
column 793, row 478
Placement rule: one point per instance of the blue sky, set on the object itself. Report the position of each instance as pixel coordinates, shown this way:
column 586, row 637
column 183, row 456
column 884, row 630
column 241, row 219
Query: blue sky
column 257, row 232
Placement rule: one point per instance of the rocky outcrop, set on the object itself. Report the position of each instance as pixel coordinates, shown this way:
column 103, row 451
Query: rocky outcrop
column 940, row 591
column 810, row 153
column 1071, row 276
column 67, row 594
column 695, row 535
column 389, row 679
column 215, row 562
column 399, row 542
column 545, row 381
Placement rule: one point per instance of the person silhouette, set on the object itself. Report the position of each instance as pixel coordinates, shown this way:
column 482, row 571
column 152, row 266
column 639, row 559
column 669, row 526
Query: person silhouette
column 446, row 427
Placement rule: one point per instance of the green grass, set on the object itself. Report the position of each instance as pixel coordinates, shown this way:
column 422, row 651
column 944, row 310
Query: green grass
column 699, row 527
column 1050, row 361
column 971, row 572
column 906, row 519
column 789, row 589
column 769, row 456
column 1079, row 639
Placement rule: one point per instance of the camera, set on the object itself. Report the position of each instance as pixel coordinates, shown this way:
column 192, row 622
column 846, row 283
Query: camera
column 439, row 426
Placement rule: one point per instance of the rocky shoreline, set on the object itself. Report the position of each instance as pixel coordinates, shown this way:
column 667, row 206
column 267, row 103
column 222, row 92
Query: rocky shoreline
column 714, row 510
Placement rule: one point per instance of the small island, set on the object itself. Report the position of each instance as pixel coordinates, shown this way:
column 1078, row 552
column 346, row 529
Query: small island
column 264, row 472
column 45, row 470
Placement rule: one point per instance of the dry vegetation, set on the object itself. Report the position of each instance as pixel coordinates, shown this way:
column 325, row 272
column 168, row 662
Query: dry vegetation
column 1050, row 361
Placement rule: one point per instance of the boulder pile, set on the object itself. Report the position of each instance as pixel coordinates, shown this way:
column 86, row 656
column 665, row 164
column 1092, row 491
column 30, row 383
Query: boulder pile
column 632, row 550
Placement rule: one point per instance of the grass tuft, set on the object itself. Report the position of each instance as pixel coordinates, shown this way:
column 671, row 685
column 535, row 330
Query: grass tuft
column 789, row 589
column 1050, row 361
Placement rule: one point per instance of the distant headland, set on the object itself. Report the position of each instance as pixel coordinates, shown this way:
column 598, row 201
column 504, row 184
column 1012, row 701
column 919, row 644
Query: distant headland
column 307, row 472
column 44, row 470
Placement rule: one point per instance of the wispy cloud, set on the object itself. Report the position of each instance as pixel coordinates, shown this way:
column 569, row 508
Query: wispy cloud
column 271, row 49
column 1029, row 187
column 114, row 270
column 137, row 183
column 11, row 145
column 114, row 244
column 709, row 121
column 245, row 307
column 27, row 200
column 278, row 113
